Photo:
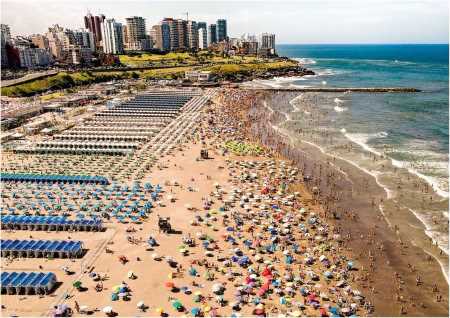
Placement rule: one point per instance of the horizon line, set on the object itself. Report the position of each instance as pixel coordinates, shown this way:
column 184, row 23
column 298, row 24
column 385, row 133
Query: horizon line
column 374, row 43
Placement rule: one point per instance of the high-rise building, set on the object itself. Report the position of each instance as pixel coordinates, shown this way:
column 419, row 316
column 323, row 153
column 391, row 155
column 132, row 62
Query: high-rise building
column 5, row 39
column 40, row 41
column 124, row 34
column 267, row 44
column 192, row 35
column 79, row 55
column 178, row 31
column 201, row 25
column 85, row 39
column 135, row 33
column 56, row 41
column 93, row 24
column 268, row 41
column 249, row 47
column 34, row 57
column 202, row 39
column 212, row 34
column 5, row 32
column 112, row 36
column 161, row 36
column 222, row 30
column 182, row 33
column 173, row 32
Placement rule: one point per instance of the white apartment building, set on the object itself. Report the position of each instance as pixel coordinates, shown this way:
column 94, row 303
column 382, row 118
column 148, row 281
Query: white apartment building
column 112, row 37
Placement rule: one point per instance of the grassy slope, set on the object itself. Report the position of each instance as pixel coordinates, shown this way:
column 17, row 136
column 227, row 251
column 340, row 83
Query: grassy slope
column 226, row 66
column 146, row 59
column 248, row 68
column 60, row 81
column 51, row 96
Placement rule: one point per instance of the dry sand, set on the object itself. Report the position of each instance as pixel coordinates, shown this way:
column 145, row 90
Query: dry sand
column 148, row 287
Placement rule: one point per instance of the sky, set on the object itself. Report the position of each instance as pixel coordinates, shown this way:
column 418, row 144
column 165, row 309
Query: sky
column 293, row 22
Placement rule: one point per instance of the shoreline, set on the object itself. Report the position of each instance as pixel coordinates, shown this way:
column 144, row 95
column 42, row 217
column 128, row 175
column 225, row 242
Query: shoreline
column 434, row 184
column 343, row 89
column 441, row 268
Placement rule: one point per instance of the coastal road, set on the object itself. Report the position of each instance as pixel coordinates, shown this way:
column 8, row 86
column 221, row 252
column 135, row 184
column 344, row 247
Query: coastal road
column 27, row 78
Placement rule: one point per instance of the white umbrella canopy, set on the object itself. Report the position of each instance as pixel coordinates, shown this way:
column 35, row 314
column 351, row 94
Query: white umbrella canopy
column 84, row 309
column 107, row 309
column 217, row 287
column 140, row 304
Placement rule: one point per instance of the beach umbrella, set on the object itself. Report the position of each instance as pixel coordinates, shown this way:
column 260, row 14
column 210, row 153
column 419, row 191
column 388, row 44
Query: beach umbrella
column 217, row 288
column 345, row 310
column 169, row 284
column 107, row 309
column 177, row 305
column 140, row 305
column 77, row 284
column 195, row 311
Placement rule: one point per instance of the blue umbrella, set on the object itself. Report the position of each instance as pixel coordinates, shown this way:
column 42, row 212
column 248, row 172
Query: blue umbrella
column 195, row 311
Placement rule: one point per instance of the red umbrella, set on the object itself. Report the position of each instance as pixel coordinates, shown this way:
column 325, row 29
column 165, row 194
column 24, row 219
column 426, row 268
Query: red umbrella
column 262, row 291
column 169, row 284
column 266, row 272
column 323, row 312
column 266, row 285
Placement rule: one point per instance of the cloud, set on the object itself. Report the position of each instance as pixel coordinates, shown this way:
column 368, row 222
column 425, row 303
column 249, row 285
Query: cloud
column 302, row 21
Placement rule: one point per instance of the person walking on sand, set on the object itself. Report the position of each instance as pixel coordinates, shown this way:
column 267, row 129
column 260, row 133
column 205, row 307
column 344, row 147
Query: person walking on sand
column 77, row 307
column 418, row 280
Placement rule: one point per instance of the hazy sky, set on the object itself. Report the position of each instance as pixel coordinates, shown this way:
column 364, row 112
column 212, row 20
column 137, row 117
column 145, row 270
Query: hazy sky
column 301, row 21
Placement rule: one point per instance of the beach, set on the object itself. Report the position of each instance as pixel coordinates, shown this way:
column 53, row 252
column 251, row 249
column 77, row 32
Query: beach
column 266, row 225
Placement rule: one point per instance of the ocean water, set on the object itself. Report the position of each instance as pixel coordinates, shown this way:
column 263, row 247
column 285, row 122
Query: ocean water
column 409, row 129
column 412, row 129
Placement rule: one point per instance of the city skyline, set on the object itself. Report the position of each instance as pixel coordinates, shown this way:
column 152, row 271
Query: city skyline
column 405, row 21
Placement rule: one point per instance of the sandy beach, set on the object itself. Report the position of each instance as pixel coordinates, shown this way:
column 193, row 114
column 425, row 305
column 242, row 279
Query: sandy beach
column 258, row 228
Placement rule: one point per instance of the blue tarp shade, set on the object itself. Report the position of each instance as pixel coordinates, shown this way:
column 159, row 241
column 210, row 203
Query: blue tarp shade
column 16, row 177
column 49, row 221
column 72, row 247
column 33, row 282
